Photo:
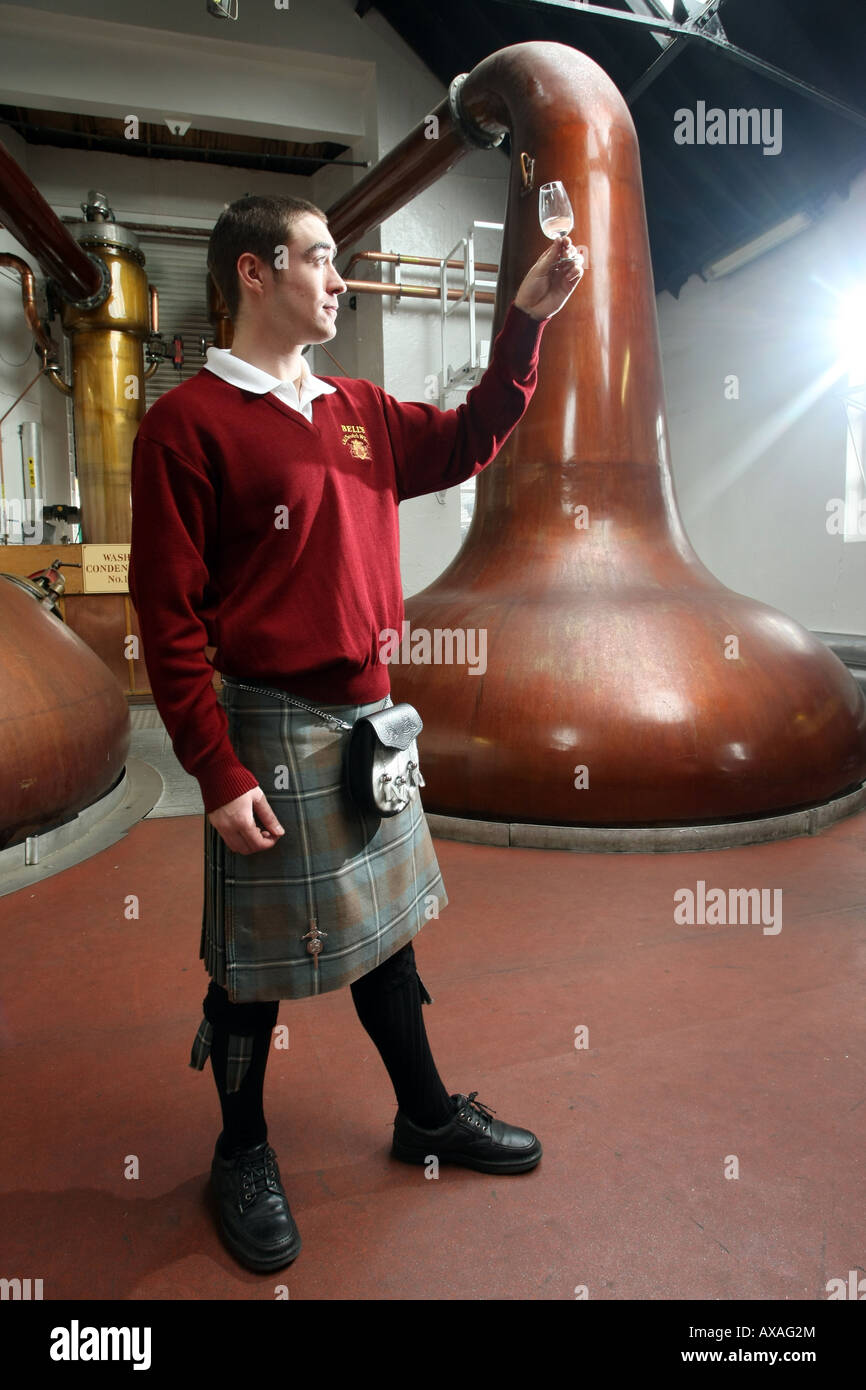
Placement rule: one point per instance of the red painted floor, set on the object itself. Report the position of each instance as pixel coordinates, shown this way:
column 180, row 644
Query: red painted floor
column 707, row 1046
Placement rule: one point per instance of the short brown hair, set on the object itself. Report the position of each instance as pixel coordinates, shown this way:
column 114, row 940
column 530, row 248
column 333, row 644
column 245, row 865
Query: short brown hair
column 256, row 224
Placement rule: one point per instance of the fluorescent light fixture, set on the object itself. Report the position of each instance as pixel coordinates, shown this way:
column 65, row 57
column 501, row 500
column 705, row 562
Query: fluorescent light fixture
column 725, row 265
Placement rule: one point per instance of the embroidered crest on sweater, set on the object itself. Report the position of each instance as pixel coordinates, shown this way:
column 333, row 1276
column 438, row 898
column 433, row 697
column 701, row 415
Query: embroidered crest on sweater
column 355, row 437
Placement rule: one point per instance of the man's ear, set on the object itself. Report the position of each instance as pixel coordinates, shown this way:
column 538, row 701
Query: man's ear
column 254, row 270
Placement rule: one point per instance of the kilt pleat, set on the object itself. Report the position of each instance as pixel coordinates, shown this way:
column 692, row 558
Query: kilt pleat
column 360, row 885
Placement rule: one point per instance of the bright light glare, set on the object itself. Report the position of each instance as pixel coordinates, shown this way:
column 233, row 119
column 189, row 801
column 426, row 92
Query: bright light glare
column 850, row 334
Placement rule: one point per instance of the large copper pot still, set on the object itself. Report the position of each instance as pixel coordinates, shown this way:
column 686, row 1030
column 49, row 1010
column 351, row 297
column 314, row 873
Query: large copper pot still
column 624, row 684
column 65, row 732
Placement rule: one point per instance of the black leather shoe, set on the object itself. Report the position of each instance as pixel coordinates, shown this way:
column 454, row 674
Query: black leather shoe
column 255, row 1221
column 471, row 1138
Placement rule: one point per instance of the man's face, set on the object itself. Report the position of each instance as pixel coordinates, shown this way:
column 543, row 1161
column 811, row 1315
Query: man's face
column 300, row 300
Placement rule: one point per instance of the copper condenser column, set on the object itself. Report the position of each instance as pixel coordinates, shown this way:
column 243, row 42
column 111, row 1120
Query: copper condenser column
column 108, row 374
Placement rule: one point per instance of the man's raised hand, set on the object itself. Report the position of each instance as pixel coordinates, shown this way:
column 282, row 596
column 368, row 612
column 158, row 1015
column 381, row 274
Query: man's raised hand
column 548, row 284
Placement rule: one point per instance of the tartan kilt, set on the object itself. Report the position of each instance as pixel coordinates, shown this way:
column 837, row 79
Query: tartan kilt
column 363, row 886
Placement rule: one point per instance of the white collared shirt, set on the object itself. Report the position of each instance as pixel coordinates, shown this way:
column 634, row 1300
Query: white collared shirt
column 238, row 372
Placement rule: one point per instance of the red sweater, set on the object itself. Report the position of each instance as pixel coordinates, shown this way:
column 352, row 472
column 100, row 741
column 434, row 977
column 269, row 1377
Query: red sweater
column 276, row 540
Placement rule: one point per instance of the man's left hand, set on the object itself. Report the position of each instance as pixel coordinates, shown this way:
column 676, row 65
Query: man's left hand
column 548, row 285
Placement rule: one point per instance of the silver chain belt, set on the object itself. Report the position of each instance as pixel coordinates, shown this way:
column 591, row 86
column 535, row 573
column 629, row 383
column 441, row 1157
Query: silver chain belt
column 332, row 719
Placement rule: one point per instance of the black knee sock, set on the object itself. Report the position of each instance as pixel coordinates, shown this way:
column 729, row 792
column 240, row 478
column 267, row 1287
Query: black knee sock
column 242, row 1110
column 388, row 1003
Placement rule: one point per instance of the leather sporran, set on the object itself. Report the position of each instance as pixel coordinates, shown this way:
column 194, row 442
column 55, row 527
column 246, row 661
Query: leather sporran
column 381, row 762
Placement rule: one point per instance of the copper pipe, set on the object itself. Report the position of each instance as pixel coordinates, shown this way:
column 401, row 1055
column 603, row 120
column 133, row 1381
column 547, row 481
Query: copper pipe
column 28, row 298
column 153, row 295
column 625, row 685
column 31, row 221
column 44, row 342
column 398, row 258
column 414, row 291
column 321, row 347
column 54, row 376
column 409, row 168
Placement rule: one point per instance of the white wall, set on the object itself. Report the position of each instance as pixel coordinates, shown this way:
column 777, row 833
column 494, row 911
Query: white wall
column 754, row 475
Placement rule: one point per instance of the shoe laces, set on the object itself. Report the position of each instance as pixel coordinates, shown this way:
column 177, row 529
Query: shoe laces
column 258, row 1175
column 472, row 1105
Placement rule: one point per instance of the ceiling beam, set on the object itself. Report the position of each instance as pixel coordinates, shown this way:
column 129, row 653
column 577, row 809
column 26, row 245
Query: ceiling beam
column 652, row 7
column 671, row 50
column 784, row 79
column 689, row 32
column 579, row 7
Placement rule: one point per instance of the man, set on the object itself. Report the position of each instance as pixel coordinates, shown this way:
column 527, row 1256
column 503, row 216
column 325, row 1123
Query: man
column 267, row 528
